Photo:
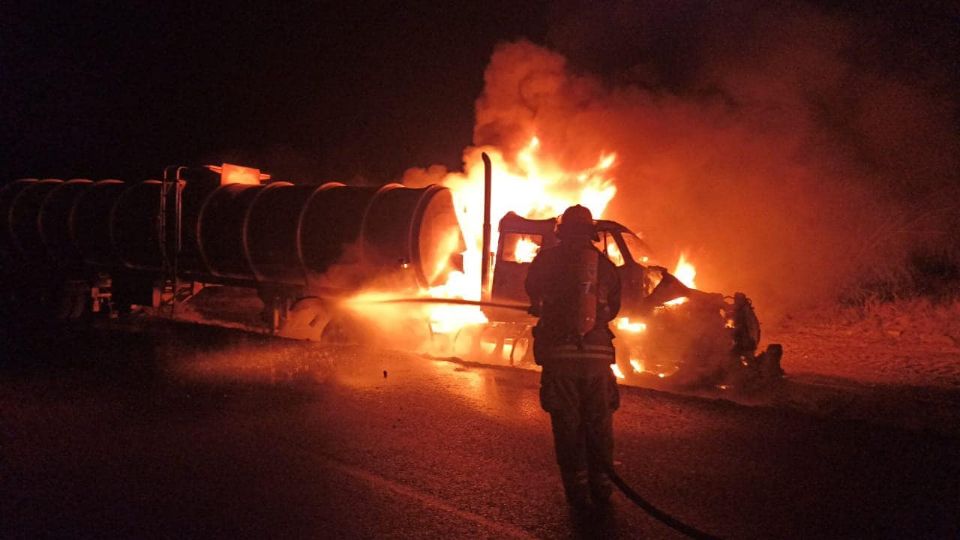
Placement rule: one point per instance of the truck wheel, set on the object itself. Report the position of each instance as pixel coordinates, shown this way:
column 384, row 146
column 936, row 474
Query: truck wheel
column 522, row 351
column 491, row 342
column 466, row 342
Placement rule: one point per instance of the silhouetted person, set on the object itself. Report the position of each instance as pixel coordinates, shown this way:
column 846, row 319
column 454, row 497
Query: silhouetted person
column 575, row 291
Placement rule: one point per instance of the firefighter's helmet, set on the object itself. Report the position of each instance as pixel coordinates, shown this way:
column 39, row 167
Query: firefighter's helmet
column 576, row 221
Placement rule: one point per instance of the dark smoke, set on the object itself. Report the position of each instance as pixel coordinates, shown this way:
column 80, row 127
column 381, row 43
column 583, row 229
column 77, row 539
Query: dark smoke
column 796, row 151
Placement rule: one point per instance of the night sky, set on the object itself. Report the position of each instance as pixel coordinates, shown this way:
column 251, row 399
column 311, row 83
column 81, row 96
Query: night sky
column 311, row 91
column 316, row 91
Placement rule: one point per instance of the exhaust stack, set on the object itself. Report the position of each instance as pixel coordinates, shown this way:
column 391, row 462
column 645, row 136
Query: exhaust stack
column 485, row 254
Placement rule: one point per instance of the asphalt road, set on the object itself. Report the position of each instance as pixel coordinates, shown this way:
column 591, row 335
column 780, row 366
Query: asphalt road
column 184, row 431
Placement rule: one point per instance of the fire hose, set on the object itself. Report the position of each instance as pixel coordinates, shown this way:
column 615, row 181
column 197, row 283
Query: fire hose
column 655, row 512
column 628, row 492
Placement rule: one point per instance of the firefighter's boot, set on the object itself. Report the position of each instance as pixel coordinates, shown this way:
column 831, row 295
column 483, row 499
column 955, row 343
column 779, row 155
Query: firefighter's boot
column 601, row 488
column 576, row 486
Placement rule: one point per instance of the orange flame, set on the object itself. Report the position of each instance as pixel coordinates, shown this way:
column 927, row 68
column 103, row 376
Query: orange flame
column 532, row 186
column 525, row 250
column 528, row 185
column 686, row 273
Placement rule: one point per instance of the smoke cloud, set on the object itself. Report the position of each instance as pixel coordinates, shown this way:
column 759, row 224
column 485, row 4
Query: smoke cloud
column 792, row 151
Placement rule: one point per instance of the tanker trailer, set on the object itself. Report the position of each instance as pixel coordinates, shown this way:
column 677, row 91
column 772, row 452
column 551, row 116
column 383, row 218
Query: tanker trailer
column 152, row 242
column 35, row 260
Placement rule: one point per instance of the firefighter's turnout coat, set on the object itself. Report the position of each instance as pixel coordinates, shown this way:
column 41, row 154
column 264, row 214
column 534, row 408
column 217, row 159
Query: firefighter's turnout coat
column 575, row 290
column 562, row 283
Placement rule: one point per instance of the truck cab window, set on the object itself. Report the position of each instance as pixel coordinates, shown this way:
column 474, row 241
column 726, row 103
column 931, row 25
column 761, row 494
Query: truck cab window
column 608, row 245
column 639, row 251
column 521, row 248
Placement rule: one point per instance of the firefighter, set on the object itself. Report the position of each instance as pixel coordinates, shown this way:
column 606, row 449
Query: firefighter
column 575, row 291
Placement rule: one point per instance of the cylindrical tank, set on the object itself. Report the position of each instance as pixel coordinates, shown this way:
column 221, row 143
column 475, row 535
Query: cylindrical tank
column 294, row 235
column 222, row 225
column 272, row 232
column 350, row 235
column 196, row 190
column 90, row 223
column 417, row 228
column 329, row 227
column 25, row 219
column 134, row 226
column 307, row 237
column 9, row 192
column 54, row 221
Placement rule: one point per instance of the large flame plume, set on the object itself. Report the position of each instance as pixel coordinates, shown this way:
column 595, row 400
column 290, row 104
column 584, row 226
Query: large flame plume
column 527, row 183
column 746, row 167
column 759, row 169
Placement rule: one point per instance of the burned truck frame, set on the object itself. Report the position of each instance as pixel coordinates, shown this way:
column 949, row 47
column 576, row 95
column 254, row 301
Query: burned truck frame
column 666, row 332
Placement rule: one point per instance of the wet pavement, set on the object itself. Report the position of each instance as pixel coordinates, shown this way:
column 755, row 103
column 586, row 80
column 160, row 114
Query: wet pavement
column 172, row 430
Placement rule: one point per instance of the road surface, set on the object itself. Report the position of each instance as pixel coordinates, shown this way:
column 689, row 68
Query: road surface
column 173, row 430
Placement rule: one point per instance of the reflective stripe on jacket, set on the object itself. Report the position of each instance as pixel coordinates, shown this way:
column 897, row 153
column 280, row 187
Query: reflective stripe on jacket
column 584, row 352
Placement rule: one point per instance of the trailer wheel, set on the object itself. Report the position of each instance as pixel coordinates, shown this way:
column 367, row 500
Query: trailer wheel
column 466, row 342
column 522, row 351
column 491, row 343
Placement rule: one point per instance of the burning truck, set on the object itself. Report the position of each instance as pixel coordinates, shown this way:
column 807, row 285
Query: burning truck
column 326, row 260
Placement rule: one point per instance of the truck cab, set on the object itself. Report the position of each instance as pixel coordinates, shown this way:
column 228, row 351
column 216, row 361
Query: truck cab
column 708, row 339
column 521, row 239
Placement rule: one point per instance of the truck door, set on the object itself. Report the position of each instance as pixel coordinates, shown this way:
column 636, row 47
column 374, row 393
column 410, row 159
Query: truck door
column 517, row 250
column 631, row 272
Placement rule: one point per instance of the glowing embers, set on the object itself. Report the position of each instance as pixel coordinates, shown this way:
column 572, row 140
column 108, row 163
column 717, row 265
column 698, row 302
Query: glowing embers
column 625, row 324
column 639, row 368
